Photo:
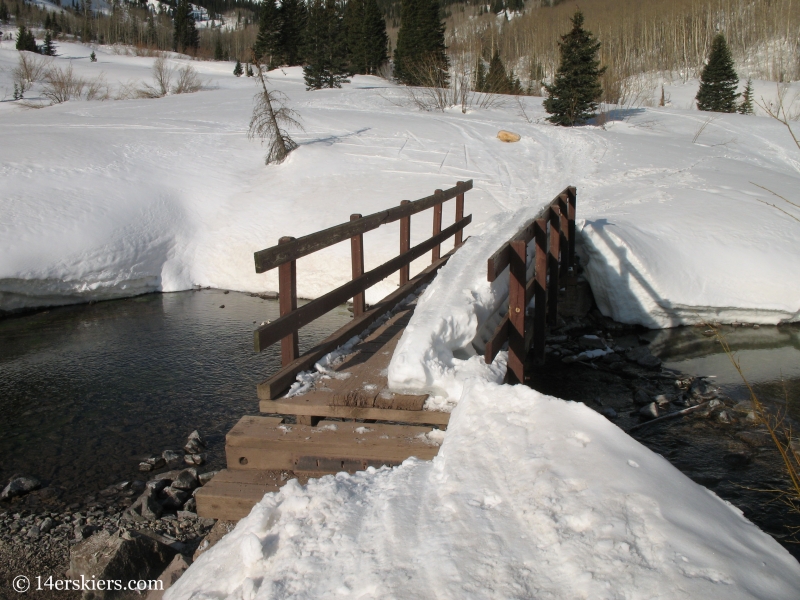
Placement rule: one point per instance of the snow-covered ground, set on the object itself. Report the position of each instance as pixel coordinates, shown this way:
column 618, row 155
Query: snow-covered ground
column 530, row 496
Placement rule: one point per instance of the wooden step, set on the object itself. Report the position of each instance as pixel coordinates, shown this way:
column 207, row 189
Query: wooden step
column 230, row 495
column 261, row 443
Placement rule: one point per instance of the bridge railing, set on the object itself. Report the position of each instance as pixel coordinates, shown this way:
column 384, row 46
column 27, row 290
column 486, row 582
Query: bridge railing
column 553, row 233
column 289, row 249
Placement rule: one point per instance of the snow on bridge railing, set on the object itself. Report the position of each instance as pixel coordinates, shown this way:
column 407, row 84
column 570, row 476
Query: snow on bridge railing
column 284, row 257
column 553, row 233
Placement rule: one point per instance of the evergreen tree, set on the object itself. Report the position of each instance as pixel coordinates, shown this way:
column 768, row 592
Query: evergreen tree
column 48, row 48
column 515, row 5
column 480, row 76
column 17, row 92
column 4, row 16
column 293, row 16
column 365, row 32
column 746, row 105
column 25, row 40
column 497, row 6
column 150, row 33
column 573, row 95
column 325, row 51
column 248, row 70
column 219, row 53
column 92, row 57
column 185, row 35
column 237, row 70
column 269, row 28
column 497, row 81
column 718, row 80
column 419, row 58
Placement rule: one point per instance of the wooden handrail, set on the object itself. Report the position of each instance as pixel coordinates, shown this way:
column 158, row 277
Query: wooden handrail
column 277, row 255
column 554, row 255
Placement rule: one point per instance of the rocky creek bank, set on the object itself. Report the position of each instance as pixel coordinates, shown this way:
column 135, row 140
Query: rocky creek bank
column 715, row 440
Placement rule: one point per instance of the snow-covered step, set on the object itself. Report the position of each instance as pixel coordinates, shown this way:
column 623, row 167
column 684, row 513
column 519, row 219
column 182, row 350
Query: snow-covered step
column 263, row 443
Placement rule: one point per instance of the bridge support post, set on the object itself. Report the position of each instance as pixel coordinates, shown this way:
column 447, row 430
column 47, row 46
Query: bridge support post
column 287, row 299
column 405, row 244
column 357, row 258
column 516, row 310
column 437, row 228
column 459, row 215
column 552, row 266
column 540, row 290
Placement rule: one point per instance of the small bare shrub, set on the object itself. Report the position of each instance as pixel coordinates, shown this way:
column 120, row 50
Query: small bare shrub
column 97, row 88
column 188, row 81
column 29, row 70
column 62, row 85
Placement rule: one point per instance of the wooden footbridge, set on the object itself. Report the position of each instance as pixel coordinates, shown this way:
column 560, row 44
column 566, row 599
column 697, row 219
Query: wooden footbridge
column 353, row 420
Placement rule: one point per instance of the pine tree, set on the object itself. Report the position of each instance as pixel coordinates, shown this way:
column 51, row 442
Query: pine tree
column 248, row 70
column 219, row 53
column 293, row 16
column 365, row 32
column 746, row 105
column 150, row 33
column 480, row 76
column 92, row 57
column 17, row 92
column 185, row 36
column 324, row 50
column 420, row 58
column 25, row 40
column 269, row 28
column 572, row 97
column 497, row 81
column 237, row 70
column 4, row 16
column 497, row 6
column 718, row 80
column 48, row 48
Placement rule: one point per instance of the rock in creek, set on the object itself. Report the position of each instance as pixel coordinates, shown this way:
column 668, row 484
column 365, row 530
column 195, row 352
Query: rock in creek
column 171, row 457
column 195, row 444
column 206, row 477
column 591, row 342
column 650, row 411
column 152, row 463
column 19, row 485
column 174, row 498
column 756, row 439
column 195, row 459
column 186, row 480
column 642, row 356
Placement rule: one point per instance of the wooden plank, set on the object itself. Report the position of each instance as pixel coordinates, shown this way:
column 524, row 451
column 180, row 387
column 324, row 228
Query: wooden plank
column 287, row 300
column 276, row 255
column 552, row 264
column 266, row 335
column 405, row 244
column 499, row 337
column 516, row 310
column 540, row 290
column 437, row 229
column 231, row 495
column 459, row 215
column 572, row 192
column 563, row 206
column 357, row 260
column 280, row 381
column 317, row 404
column 331, row 446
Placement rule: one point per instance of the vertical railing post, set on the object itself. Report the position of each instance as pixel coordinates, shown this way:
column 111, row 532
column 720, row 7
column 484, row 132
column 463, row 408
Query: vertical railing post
column 563, row 205
column 405, row 244
column 357, row 258
column 459, row 239
column 287, row 299
column 573, row 201
column 437, row 227
column 552, row 264
column 540, row 290
column 516, row 310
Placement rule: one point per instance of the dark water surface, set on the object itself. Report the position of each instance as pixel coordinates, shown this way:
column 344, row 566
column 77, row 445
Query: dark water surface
column 87, row 391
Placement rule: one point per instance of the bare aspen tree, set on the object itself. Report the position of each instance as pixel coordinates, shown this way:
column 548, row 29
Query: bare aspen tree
column 270, row 116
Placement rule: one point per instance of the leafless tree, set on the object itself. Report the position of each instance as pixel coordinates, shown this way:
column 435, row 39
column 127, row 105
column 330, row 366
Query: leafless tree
column 270, row 117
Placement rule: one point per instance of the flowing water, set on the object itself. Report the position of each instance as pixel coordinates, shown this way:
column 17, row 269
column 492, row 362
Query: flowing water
column 88, row 391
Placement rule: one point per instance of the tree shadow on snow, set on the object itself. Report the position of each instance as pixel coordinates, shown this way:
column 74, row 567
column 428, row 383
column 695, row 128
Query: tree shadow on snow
column 332, row 139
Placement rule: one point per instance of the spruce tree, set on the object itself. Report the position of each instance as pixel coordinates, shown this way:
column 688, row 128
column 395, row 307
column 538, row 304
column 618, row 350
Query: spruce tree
column 185, row 35
column 269, row 28
column 572, row 97
column 365, row 32
column 420, row 58
column 718, row 80
column 480, row 76
column 4, row 15
column 92, row 57
column 293, row 17
column 237, row 70
column 497, row 81
column 219, row 53
column 25, row 40
column 48, row 48
column 326, row 60
column 746, row 105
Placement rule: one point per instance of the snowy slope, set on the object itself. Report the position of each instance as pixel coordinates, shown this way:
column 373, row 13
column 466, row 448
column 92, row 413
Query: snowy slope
column 104, row 199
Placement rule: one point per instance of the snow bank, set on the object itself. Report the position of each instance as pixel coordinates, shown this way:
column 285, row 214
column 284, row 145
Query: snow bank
column 529, row 497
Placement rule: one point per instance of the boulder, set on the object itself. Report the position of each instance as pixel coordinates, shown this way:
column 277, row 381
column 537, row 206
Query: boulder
column 120, row 556
column 186, row 480
column 170, row 575
column 591, row 342
column 206, row 477
column 19, row 485
column 650, row 411
column 642, row 356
